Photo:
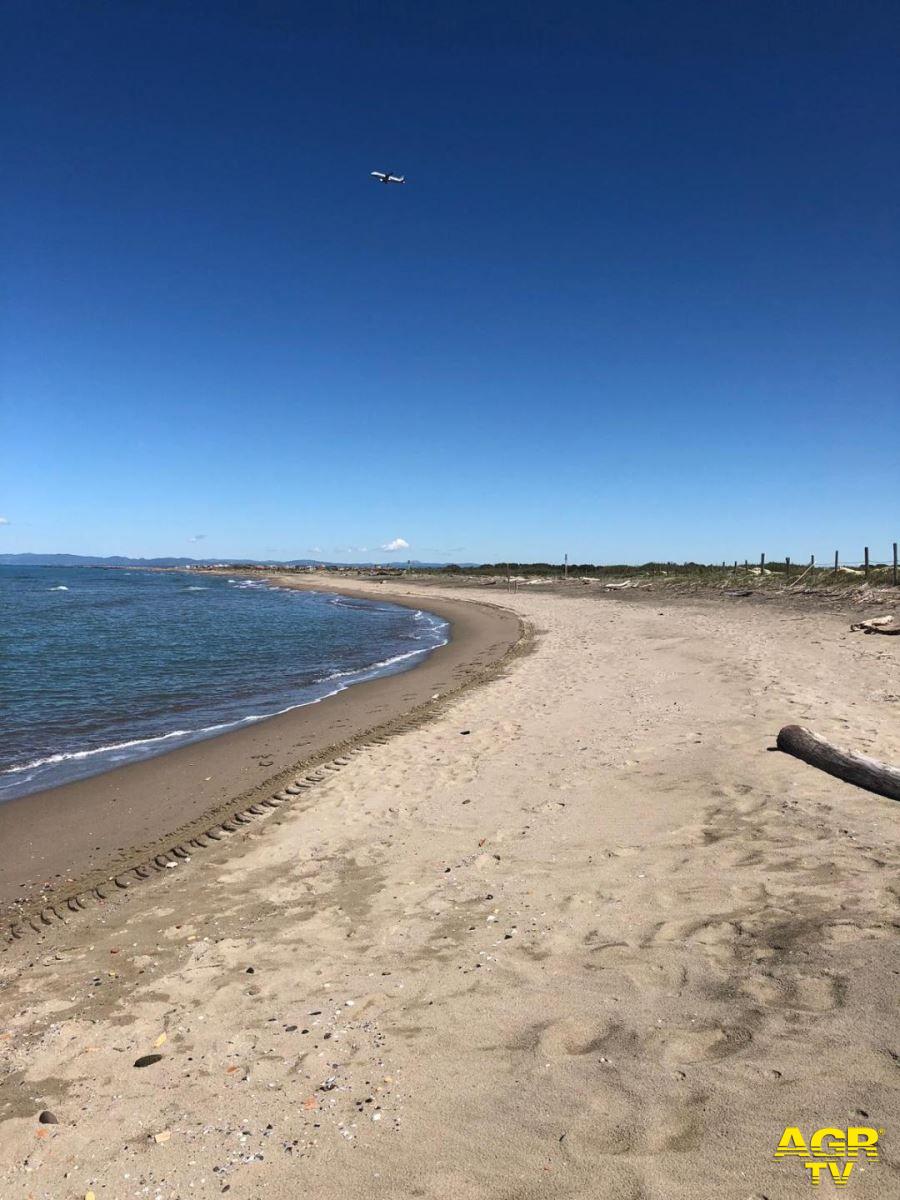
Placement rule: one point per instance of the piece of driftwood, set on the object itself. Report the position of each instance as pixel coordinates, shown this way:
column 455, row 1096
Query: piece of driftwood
column 857, row 769
column 802, row 575
column 889, row 624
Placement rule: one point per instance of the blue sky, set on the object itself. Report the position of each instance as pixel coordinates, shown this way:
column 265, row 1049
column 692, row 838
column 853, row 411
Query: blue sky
column 640, row 297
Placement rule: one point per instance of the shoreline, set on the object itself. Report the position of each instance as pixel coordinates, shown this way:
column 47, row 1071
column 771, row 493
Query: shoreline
column 100, row 759
column 80, row 833
column 607, row 929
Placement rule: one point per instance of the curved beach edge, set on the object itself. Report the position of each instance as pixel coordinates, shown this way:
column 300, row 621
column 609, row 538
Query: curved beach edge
column 84, row 842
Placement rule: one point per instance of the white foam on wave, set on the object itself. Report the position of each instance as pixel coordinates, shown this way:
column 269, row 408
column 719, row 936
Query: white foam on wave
column 196, row 589
column 78, row 755
column 362, row 605
column 385, row 662
column 61, row 588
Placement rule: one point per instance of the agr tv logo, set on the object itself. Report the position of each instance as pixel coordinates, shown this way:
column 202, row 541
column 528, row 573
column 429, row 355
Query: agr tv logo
column 831, row 1152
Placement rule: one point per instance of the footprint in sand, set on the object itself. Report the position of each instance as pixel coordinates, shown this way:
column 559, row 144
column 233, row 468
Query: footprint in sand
column 842, row 933
column 609, row 1119
column 811, row 994
column 570, row 1038
column 701, row 1045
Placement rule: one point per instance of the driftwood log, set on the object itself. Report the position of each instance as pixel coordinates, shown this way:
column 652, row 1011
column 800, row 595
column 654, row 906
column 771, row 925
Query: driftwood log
column 890, row 625
column 857, row 769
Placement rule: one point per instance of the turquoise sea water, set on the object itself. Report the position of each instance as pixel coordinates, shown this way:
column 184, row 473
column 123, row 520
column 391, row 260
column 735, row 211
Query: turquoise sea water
column 102, row 667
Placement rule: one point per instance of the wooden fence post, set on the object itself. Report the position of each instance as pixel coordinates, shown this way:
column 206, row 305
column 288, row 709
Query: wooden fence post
column 787, row 568
column 835, row 562
column 867, row 561
column 895, row 564
column 762, row 563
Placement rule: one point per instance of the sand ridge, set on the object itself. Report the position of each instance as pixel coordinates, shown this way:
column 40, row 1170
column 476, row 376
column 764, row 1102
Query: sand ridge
column 580, row 936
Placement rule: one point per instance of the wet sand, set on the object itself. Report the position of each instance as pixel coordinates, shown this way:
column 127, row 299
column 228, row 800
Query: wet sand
column 580, row 936
column 81, row 832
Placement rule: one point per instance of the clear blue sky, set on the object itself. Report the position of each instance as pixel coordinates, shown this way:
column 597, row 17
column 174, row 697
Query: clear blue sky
column 640, row 297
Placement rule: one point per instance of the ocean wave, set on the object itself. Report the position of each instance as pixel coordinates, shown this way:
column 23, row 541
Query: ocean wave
column 385, row 662
column 79, row 755
column 362, row 605
column 61, row 588
column 431, row 631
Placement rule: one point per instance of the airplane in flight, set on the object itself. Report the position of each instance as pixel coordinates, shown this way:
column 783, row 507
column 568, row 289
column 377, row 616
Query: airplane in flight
column 387, row 177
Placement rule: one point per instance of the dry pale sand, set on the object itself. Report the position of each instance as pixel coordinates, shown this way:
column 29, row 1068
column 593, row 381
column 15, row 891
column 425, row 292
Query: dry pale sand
column 581, row 936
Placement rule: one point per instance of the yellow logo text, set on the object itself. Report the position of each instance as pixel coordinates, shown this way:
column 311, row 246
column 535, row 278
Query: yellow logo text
column 830, row 1153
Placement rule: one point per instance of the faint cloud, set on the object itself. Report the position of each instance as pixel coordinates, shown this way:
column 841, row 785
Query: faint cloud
column 396, row 544
column 197, row 537
column 4, row 520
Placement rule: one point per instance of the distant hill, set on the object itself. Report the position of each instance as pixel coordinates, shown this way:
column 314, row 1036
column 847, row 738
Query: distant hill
column 88, row 560
column 118, row 560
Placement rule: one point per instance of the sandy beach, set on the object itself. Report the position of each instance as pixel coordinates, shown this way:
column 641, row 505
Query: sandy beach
column 576, row 932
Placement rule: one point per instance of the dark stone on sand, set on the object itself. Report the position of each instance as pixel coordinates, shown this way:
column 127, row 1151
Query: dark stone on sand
column 47, row 1118
column 147, row 1060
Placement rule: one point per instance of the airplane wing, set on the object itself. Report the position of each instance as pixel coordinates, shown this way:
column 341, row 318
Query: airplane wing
column 378, row 174
column 396, row 179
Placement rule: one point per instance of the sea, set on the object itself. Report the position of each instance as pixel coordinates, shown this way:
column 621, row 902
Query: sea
column 100, row 667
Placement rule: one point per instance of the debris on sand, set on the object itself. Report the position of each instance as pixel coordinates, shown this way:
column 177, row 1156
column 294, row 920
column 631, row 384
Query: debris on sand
column 858, row 769
column 888, row 624
column 147, row 1060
